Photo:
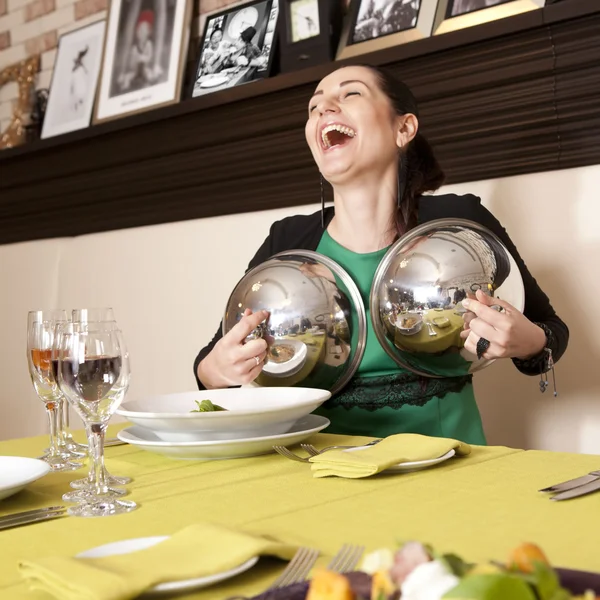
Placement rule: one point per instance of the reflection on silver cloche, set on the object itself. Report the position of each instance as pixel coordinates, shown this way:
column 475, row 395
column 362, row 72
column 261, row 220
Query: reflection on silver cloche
column 416, row 297
column 313, row 339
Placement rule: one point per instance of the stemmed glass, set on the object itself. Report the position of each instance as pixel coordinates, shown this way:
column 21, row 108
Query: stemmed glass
column 93, row 374
column 41, row 329
column 95, row 317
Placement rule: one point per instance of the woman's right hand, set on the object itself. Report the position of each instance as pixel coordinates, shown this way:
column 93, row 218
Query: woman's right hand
column 233, row 361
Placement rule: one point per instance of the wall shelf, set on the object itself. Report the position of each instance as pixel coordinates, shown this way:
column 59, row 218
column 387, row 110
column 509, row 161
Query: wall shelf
column 510, row 97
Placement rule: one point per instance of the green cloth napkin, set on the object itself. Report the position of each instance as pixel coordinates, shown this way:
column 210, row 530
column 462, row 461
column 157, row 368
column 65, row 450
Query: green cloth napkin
column 393, row 450
column 198, row 550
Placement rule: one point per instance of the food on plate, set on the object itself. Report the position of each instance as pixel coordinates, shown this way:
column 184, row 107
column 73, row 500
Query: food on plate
column 408, row 322
column 441, row 322
column 416, row 572
column 280, row 353
column 207, row 406
column 327, row 585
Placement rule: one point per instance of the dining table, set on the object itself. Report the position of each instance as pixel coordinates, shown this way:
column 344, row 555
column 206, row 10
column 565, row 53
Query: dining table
column 479, row 506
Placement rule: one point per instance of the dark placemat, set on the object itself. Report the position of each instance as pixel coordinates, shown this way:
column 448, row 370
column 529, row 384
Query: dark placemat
column 577, row 582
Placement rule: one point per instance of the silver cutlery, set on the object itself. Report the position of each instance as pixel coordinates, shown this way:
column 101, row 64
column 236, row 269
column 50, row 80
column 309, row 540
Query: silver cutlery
column 289, row 454
column 113, row 442
column 315, row 452
column 296, row 571
column 346, row 558
column 580, row 490
column 432, row 331
column 31, row 516
column 572, row 483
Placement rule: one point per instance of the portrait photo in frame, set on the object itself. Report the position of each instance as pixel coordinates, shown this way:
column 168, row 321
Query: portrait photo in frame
column 459, row 14
column 376, row 24
column 144, row 56
column 74, row 80
column 237, row 47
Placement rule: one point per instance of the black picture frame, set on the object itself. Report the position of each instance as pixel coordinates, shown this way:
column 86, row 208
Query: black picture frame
column 225, row 62
column 313, row 49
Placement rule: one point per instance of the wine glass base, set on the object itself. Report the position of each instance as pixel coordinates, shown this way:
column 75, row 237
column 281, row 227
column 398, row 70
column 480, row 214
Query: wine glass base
column 102, row 508
column 83, row 484
column 89, row 495
column 59, row 464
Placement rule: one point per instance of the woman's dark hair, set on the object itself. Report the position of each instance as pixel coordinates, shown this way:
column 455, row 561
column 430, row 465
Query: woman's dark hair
column 215, row 30
column 419, row 170
column 248, row 34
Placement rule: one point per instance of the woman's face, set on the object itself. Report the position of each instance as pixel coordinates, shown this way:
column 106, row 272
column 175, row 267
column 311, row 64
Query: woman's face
column 352, row 128
column 216, row 37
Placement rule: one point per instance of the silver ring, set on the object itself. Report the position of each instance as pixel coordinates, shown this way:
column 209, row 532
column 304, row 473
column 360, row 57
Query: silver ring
column 257, row 360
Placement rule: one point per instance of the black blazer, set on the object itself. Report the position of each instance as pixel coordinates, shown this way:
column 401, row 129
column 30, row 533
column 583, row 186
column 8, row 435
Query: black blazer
column 305, row 232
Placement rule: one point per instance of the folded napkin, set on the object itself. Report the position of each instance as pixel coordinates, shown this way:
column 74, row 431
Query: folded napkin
column 393, row 450
column 198, row 550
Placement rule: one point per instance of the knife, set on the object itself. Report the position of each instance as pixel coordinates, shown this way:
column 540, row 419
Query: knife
column 32, row 516
column 581, row 490
column 572, row 483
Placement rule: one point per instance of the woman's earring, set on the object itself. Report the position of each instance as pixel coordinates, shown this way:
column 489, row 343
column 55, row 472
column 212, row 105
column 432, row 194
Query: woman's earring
column 322, row 203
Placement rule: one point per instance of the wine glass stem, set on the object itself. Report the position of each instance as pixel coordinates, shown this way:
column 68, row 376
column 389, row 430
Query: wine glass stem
column 96, row 441
column 52, row 412
column 60, row 428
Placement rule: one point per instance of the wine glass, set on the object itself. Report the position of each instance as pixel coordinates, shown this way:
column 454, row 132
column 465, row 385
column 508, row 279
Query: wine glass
column 95, row 317
column 79, row 315
column 93, row 374
column 41, row 326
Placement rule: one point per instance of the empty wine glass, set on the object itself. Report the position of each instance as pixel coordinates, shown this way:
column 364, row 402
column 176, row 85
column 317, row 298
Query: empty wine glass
column 96, row 317
column 41, row 326
column 93, row 374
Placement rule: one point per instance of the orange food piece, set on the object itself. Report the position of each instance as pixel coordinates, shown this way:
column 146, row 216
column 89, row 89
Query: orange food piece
column 326, row 585
column 382, row 585
column 524, row 557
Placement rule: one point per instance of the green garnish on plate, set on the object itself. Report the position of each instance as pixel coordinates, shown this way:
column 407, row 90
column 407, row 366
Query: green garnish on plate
column 207, row 406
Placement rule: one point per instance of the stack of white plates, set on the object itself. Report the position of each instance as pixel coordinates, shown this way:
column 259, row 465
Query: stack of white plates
column 255, row 420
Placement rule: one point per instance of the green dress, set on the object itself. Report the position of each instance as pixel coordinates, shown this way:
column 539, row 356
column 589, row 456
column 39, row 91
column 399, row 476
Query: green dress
column 382, row 398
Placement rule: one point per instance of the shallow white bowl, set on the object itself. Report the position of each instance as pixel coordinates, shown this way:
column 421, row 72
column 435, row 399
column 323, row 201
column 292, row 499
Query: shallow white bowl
column 251, row 412
column 289, row 367
column 222, row 449
column 17, row 472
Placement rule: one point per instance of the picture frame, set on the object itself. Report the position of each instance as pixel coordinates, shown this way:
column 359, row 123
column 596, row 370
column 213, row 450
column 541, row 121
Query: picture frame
column 145, row 46
column 453, row 15
column 74, row 80
column 238, row 47
column 309, row 33
column 376, row 24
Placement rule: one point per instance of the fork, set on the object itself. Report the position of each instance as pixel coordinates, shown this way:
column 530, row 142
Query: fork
column 296, row 571
column 289, row 454
column 346, row 558
column 315, row 452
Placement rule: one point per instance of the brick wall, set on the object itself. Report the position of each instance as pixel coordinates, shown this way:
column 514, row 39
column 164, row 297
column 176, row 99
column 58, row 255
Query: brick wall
column 31, row 26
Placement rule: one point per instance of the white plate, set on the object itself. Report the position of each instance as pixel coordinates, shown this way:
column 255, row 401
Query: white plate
column 251, row 412
column 221, row 449
column 133, row 545
column 292, row 366
column 214, row 81
column 16, row 472
column 416, row 465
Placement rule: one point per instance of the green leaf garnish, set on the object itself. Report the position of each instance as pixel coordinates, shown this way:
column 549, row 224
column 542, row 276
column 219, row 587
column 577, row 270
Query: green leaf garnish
column 207, row 406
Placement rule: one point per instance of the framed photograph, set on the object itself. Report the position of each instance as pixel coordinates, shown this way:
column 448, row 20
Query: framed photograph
column 237, row 47
column 310, row 32
column 377, row 24
column 458, row 14
column 144, row 56
column 74, row 80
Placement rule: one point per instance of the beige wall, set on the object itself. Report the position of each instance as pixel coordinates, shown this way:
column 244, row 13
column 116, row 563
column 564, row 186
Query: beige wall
column 169, row 284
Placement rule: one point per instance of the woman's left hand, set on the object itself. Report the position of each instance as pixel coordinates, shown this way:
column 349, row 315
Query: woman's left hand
column 510, row 333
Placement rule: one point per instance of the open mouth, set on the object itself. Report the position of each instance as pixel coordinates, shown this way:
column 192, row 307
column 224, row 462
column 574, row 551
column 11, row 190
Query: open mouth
column 334, row 136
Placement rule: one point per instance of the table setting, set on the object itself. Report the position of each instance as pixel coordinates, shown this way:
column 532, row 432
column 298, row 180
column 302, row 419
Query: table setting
column 242, row 493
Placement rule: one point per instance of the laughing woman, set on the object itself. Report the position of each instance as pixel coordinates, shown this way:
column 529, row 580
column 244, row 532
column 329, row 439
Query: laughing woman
column 362, row 129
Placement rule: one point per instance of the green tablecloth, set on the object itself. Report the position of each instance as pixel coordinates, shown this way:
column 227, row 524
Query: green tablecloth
column 479, row 506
